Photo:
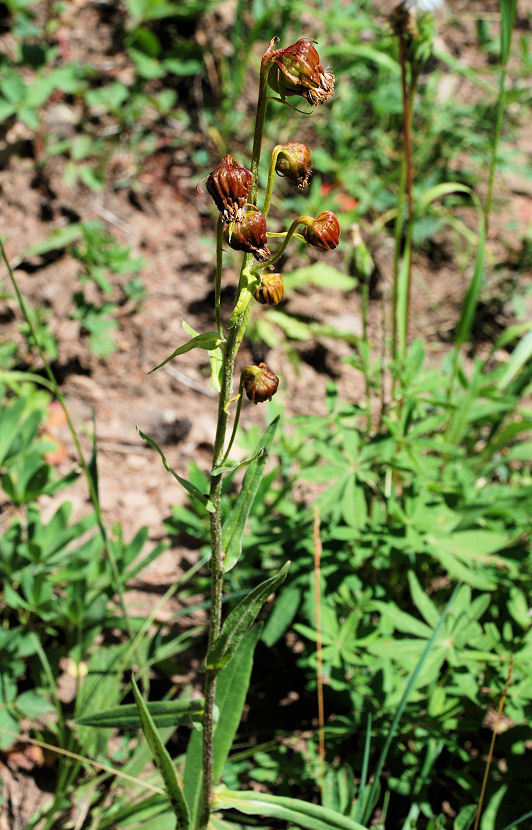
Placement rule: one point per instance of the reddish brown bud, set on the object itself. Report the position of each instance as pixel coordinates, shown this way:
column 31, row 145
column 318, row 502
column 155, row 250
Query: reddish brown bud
column 270, row 290
column 298, row 71
column 295, row 163
column 229, row 185
column 249, row 235
column 259, row 382
column 323, row 231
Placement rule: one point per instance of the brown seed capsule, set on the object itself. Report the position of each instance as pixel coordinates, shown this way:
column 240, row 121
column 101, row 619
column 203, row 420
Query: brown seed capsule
column 298, row 71
column 229, row 185
column 323, row 231
column 295, row 163
column 270, row 290
column 259, row 382
column 249, row 235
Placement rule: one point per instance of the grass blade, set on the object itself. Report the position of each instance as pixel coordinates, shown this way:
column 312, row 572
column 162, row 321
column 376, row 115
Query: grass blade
column 368, row 807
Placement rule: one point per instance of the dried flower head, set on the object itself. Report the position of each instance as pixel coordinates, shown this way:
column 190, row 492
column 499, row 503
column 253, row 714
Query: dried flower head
column 298, row 71
column 294, row 162
column 259, row 382
column 270, row 290
column 249, row 234
column 322, row 232
column 229, row 185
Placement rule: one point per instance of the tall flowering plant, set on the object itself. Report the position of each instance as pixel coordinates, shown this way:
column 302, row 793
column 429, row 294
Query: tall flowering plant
column 242, row 225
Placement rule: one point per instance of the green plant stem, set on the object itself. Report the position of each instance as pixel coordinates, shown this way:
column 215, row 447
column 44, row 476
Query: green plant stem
column 235, row 424
column 259, row 120
column 218, row 282
column 495, row 145
column 271, row 178
column 288, row 236
column 402, row 324
column 94, row 497
column 364, row 308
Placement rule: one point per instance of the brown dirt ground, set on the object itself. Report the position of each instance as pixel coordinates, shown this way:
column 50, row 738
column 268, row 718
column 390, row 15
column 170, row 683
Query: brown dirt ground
column 162, row 222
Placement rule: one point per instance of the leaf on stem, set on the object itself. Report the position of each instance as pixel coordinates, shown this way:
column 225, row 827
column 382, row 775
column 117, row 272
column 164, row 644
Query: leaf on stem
column 233, row 529
column 208, row 340
column 163, row 761
column 301, row 813
column 189, row 487
column 163, row 713
column 231, row 690
column 240, row 620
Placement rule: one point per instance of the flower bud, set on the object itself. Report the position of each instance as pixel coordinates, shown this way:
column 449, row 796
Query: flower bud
column 229, row 185
column 323, row 231
column 259, row 382
column 249, row 235
column 298, row 71
column 270, row 290
column 295, row 163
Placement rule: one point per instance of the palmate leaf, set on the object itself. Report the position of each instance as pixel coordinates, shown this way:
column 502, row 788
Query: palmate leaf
column 240, row 619
column 163, row 761
column 163, row 713
column 301, row 813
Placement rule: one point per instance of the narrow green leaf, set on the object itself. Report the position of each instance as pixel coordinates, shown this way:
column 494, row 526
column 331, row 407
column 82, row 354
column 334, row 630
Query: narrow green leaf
column 163, row 713
column 520, row 356
column 189, row 487
column 208, row 340
column 56, row 239
column 231, row 690
column 233, row 528
column 240, row 619
column 508, row 11
column 163, row 761
column 232, row 466
column 303, row 814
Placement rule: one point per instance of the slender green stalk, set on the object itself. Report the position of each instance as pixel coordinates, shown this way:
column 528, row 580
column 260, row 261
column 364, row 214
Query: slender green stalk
column 287, row 237
column 271, row 179
column 94, row 497
column 218, row 282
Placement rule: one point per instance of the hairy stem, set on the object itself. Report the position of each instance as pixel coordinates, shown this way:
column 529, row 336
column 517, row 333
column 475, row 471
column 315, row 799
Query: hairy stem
column 237, row 325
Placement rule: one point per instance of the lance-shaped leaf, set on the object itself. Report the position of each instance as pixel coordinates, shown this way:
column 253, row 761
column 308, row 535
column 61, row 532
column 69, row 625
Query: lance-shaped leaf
column 233, row 529
column 240, row 620
column 163, row 761
column 231, row 690
column 163, row 713
column 208, row 340
column 189, row 487
column 301, row 813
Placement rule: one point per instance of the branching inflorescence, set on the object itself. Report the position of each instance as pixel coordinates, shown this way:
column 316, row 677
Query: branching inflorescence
column 241, row 225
